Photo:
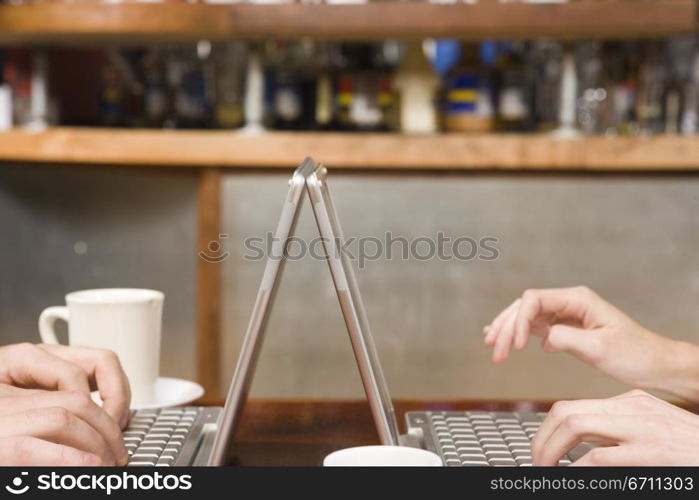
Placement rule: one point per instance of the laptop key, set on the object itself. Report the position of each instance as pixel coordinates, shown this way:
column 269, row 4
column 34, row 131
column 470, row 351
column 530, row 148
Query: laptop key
column 141, row 463
column 503, row 462
column 498, row 454
column 474, row 463
column 514, row 434
column 464, row 435
column 157, row 435
column 149, row 449
column 141, row 420
column 467, row 442
column 487, row 434
column 470, row 450
column 154, row 442
column 493, row 440
column 494, row 447
column 162, row 428
column 509, row 427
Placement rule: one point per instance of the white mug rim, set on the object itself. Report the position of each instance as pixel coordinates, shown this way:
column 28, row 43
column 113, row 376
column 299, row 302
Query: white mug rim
column 435, row 460
column 113, row 296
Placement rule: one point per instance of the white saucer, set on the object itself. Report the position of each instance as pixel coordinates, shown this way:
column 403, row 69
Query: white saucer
column 168, row 392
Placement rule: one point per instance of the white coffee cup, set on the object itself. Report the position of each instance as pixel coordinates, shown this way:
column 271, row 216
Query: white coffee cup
column 381, row 456
column 124, row 320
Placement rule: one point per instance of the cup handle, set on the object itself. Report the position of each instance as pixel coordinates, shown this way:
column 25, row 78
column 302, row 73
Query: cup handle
column 46, row 321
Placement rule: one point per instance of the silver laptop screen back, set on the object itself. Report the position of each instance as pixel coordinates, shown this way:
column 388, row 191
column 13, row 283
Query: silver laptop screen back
column 254, row 336
column 352, row 308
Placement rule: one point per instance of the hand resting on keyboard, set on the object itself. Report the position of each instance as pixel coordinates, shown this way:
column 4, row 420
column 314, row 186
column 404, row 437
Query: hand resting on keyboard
column 635, row 428
column 46, row 414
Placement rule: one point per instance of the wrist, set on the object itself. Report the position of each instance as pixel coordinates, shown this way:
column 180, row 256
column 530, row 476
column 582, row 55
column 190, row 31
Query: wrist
column 679, row 373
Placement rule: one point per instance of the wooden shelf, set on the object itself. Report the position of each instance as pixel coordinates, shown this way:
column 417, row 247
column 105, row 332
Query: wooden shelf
column 227, row 149
column 137, row 22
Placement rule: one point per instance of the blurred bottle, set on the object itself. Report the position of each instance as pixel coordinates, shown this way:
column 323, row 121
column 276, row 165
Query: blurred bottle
column 365, row 84
column 229, row 60
column 287, row 60
column 417, row 85
column 156, row 102
column 324, row 102
column 255, row 90
column 592, row 95
column 690, row 112
column 512, row 89
column 190, row 77
column 653, row 74
column 468, row 94
column 545, row 58
column 568, row 94
column 5, row 97
column 112, row 93
column 344, row 98
column 681, row 98
column 626, row 89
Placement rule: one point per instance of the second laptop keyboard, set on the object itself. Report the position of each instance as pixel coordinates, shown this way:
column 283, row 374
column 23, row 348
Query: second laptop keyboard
column 490, row 438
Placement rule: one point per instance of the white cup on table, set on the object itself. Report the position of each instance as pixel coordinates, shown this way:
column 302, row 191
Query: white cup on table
column 124, row 320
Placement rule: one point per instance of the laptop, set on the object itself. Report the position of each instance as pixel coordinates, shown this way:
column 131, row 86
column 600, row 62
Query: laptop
column 201, row 436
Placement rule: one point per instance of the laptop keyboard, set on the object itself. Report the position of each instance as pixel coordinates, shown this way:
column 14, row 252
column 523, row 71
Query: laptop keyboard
column 490, row 438
column 156, row 437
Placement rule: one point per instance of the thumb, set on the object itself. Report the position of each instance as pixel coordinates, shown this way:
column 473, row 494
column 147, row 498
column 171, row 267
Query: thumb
column 579, row 342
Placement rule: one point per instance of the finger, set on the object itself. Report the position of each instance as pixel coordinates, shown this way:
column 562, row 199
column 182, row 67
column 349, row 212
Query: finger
column 584, row 344
column 563, row 409
column 80, row 405
column 31, row 451
column 615, row 456
column 11, row 390
column 494, row 327
column 59, row 426
column 104, row 368
column 30, row 366
column 568, row 304
column 577, row 428
column 503, row 343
